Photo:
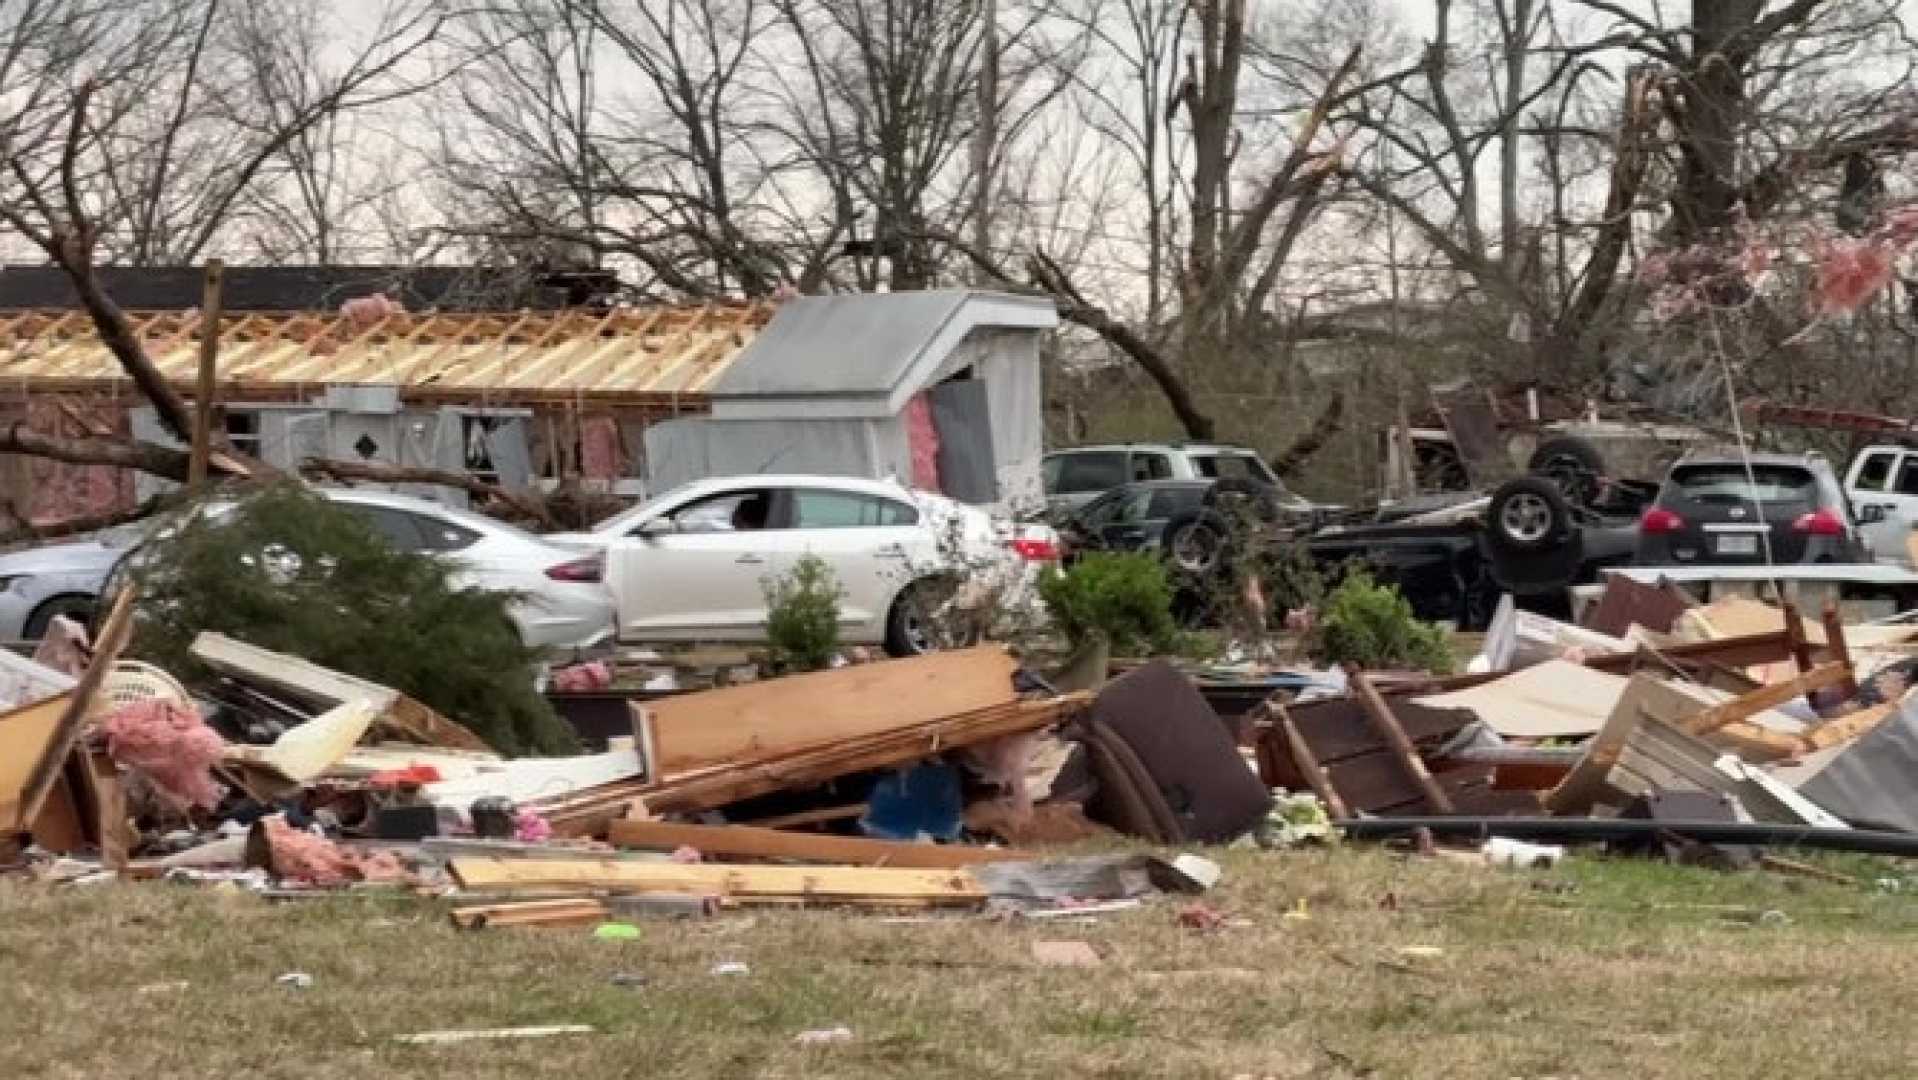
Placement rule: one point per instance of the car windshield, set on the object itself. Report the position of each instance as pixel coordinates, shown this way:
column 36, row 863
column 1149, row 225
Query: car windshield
column 1729, row 484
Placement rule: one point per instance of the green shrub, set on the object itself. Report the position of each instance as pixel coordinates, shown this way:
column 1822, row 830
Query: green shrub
column 802, row 619
column 1372, row 625
column 288, row 571
column 1121, row 597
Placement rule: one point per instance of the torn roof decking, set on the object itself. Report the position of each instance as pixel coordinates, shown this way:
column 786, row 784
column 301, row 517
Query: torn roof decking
column 661, row 357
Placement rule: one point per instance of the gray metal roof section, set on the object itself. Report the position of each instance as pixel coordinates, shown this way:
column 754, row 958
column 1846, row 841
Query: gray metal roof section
column 867, row 344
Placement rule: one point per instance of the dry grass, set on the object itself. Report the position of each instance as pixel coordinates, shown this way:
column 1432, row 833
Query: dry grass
column 1596, row 969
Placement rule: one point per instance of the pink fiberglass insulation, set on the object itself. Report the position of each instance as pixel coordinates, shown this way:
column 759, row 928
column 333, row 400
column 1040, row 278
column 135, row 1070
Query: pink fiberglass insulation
column 600, row 450
column 305, row 857
column 922, row 438
column 171, row 745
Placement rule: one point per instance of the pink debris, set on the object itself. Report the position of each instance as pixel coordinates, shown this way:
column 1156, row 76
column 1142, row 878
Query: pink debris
column 305, row 857
column 367, row 310
column 1850, row 273
column 171, row 745
column 687, row 855
column 530, row 828
column 583, row 678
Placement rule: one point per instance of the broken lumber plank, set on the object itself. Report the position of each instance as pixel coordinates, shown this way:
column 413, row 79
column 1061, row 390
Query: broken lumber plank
column 25, row 732
column 822, row 707
column 1765, row 697
column 822, row 884
column 1848, row 727
column 1754, row 743
column 1387, row 725
column 66, row 732
column 530, row 913
column 746, row 841
column 306, row 751
column 810, row 817
column 1315, row 775
column 1840, row 652
column 327, row 689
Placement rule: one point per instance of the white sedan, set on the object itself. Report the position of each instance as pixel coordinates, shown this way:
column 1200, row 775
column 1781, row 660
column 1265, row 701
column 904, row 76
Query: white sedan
column 691, row 565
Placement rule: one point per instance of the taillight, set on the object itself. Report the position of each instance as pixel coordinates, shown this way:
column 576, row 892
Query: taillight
column 1660, row 520
column 589, row 569
column 1036, row 550
column 1819, row 523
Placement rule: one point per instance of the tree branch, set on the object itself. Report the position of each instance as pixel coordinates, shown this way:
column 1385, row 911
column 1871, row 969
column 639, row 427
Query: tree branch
column 380, row 473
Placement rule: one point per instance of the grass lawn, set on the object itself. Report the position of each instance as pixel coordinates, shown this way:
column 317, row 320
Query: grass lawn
column 1595, row 969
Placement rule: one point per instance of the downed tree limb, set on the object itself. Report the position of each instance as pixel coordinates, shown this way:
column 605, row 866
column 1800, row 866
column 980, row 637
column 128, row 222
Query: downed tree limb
column 28, row 532
column 1330, row 420
column 151, row 458
column 380, row 473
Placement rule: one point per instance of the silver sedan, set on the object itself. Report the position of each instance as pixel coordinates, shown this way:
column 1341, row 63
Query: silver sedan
column 563, row 601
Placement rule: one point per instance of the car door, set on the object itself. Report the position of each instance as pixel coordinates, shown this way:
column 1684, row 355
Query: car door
column 874, row 544
column 1870, row 492
column 695, row 568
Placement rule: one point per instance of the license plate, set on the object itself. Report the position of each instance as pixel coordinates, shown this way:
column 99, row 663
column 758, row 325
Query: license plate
column 1738, row 545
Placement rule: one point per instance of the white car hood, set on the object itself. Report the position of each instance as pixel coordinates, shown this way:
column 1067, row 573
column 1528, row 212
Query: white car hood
column 84, row 557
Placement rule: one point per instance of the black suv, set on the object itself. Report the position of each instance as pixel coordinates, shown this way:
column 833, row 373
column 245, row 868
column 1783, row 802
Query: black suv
column 1728, row 509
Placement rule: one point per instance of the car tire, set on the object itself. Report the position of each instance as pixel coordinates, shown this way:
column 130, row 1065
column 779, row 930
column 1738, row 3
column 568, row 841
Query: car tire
column 74, row 604
column 1197, row 544
column 1528, row 514
column 1573, row 463
column 909, row 629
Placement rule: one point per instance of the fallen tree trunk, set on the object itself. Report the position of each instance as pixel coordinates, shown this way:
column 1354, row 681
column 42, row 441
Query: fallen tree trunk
column 28, row 532
column 380, row 473
column 151, row 458
column 1314, row 440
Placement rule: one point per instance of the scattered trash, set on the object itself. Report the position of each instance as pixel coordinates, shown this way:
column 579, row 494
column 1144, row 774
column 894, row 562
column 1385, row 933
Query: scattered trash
column 1421, row 952
column 824, row 1036
column 1502, row 852
column 1197, row 916
column 295, row 980
column 1299, row 913
column 731, row 967
column 436, row 1037
column 629, row 981
column 164, row 987
column 616, row 931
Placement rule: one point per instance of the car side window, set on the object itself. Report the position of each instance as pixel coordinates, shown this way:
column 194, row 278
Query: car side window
column 1049, row 472
column 729, row 511
column 1207, row 465
column 1133, row 507
column 1172, row 502
column 396, row 527
column 1151, row 467
column 1908, row 475
column 1093, row 471
column 1876, row 470
column 1233, row 467
column 816, row 508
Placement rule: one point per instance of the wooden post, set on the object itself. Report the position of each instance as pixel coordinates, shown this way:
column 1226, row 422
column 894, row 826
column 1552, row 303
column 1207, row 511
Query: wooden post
column 1388, row 727
column 1795, row 636
column 1308, row 763
column 209, row 361
column 1836, row 648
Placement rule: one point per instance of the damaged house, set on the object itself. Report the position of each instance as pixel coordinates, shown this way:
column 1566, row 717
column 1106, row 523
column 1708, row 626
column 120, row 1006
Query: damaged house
column 940, row 388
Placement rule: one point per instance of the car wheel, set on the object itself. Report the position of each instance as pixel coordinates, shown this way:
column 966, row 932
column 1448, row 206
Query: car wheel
column 1196, row 544
column 1527, row 514
column 75, row 605
column 913, row 626
column 1574, row 464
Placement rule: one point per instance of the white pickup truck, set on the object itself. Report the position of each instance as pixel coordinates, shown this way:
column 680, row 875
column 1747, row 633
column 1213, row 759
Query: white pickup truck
column 1883, row 487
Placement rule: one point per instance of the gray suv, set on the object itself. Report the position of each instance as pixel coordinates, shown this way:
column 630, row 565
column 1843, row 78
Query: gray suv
column 1075, row 477
column 1724, row 509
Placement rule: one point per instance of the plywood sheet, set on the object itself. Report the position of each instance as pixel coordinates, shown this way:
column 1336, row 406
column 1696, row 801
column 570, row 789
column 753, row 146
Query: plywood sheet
column 1550, row 700
column 768, row 719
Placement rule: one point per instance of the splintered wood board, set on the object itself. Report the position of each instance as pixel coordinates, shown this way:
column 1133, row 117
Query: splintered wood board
column 746, row 841
column 24, row 735
column 825, row 884
column 766, row 719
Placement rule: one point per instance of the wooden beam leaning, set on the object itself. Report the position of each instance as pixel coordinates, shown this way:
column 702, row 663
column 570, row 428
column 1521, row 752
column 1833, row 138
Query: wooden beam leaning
column 1765, row 697
column 1387, row 725
column 209, row 365
column 1308, row 764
